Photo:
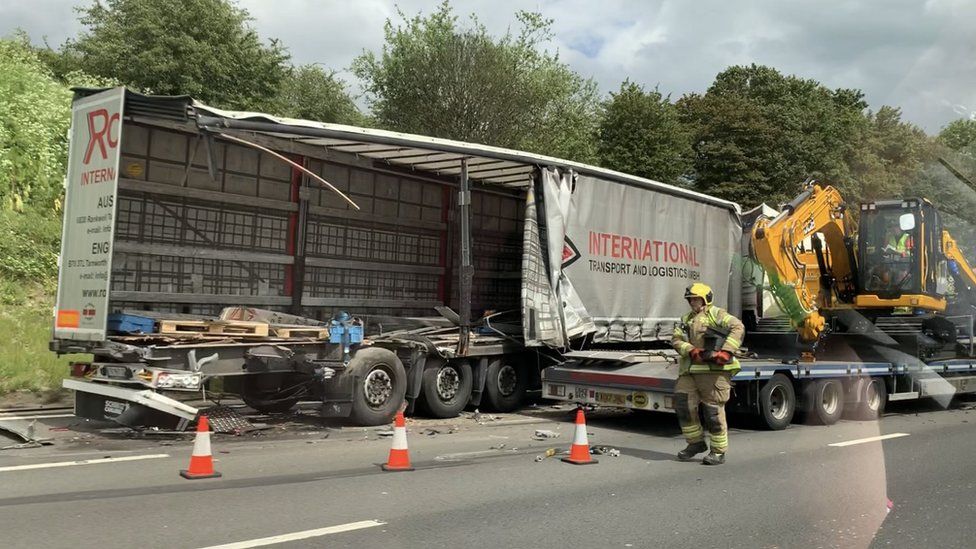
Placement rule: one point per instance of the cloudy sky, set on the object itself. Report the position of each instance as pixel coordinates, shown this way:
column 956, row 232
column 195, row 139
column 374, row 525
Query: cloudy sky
column 916, row 54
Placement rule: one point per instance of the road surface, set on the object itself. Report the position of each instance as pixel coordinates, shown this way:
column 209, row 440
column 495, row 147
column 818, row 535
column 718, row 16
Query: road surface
column 481, row 486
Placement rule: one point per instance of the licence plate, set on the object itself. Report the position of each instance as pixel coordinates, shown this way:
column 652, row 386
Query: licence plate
column 611, row 398
column 114, row 408
column 118, row 372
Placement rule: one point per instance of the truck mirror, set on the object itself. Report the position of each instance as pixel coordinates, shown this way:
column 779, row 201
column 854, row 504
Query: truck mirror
column 906, row 222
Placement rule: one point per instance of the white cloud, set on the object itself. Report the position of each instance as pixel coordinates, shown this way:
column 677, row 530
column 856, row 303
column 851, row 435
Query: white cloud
column 919, row 56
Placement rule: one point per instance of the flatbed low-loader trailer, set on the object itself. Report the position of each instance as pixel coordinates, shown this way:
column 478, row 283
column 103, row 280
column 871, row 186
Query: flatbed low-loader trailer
column 776, row 392
column 859, row 364
column 184, row 223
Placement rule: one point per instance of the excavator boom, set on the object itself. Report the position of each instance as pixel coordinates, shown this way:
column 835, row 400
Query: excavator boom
column 805, row 253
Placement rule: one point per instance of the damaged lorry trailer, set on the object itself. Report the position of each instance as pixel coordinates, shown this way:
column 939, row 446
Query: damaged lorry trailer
column 352, row 270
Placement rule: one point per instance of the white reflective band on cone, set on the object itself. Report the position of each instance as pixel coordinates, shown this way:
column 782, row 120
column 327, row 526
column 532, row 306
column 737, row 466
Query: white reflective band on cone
column 201, row 446
column 399, row 438
column 580, row 436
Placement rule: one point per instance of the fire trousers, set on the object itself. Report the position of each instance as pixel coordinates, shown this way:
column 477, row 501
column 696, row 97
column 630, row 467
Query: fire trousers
column 712, row 391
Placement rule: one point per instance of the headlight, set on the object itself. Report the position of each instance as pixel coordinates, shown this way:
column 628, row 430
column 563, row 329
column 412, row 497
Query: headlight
column 168, row 380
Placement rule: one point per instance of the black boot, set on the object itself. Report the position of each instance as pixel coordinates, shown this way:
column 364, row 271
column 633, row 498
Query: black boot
column 692, row 450
column 714, row 459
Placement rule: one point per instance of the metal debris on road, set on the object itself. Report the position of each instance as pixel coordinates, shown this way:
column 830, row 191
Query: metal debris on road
column 542, row 434
column 549, row 453
column 224, row 419
column 386, row 433
column 605, row 451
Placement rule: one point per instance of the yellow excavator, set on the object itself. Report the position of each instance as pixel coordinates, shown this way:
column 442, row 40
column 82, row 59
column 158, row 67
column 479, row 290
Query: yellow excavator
column 898, row 261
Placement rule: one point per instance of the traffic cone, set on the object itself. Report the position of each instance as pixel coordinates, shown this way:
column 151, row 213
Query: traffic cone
column 579, row 453
column 201, row 462
column 399, row 459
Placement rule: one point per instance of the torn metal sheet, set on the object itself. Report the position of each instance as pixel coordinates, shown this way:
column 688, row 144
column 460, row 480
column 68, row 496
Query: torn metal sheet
column 24, row 430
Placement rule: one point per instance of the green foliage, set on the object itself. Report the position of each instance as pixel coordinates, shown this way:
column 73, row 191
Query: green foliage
column 886, row 157
column 29, row 247
column 641, row 134
column 202, row 48
column 25, row 361
column 34, row 118
column 758, row 134
column 311, row 93
column 959, row 135
column 435, row 77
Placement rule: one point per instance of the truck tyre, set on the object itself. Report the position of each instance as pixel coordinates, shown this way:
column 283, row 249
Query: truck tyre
column 446, row 388
column 505, row 385
column 872, row 397
column 261, row 392
column 381, row 383
column 777, row 402
column 823, row 401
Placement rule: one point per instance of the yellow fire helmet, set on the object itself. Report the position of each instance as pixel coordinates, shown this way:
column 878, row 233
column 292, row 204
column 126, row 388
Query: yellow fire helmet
column 699, row 290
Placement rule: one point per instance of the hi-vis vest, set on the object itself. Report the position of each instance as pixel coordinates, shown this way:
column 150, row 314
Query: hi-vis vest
column 691, row 333
column 901, row 244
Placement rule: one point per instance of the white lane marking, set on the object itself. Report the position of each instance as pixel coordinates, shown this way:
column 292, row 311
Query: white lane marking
column 81, row 462
column 299, row 535
column 3, row 417
column 869, row 439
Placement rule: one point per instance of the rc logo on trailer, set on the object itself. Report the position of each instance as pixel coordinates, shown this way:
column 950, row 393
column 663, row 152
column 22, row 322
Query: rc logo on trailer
column 88, row 313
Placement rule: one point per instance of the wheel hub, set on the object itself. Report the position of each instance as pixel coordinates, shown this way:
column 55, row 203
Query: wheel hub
column 507, row 380
column 830, row 399
column 777, row 403
column 378, row 387
column 873, row 397
column 448, row 383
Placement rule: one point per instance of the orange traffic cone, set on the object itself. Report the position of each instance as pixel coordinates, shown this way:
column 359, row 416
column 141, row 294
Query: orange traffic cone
column 399, row 459
column 201, row 462
column 579, row 453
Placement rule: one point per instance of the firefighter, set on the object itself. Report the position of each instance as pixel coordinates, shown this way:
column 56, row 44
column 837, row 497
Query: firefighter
column 705, row 374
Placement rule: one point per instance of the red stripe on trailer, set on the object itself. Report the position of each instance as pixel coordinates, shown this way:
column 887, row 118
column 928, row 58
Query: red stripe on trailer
column 296, row 183
column 591, row 377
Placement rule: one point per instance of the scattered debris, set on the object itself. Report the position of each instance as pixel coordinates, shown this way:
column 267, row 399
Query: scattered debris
column 224, row 419
column 605, row 451
column 385, row 433
column 23, row 430
column 499, row 447
column 542, row 434
column 548, row 454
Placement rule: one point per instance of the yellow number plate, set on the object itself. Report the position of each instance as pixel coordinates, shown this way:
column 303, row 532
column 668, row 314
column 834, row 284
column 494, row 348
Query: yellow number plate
column 611, row 398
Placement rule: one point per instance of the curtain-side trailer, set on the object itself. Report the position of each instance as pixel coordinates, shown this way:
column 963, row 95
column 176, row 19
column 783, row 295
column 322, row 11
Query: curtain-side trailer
column 203, row 245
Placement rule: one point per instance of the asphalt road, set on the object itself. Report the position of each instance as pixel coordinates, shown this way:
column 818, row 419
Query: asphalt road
column 778, row 489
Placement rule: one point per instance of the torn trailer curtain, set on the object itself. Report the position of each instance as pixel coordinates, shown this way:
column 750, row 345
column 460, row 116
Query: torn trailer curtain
column 612, row 261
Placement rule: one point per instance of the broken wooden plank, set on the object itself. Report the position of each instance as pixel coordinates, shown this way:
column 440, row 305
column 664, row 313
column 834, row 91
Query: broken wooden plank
column 221, row 327
column 289, row 332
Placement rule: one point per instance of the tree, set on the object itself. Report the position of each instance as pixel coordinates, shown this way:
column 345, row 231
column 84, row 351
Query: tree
column 641, row 134
column 758, row 134
column 437, row 78
column 203, row 48
column 34, row 117
column 959, row 135
column 311, row 93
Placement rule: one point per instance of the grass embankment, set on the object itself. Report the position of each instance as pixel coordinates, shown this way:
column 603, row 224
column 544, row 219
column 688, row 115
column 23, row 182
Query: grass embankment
column 29, row 244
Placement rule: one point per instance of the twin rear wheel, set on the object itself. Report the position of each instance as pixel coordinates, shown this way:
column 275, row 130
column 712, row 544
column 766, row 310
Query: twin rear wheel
column 821, row 401
column 447, row 385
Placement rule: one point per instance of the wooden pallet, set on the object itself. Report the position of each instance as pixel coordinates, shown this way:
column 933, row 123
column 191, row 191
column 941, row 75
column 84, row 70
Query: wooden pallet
column 220, row 327
column 289, row 332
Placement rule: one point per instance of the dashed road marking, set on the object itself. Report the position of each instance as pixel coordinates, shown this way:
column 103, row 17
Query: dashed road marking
column 306, row 534
column 866, row 440
column 81, row 462
column 53, row 416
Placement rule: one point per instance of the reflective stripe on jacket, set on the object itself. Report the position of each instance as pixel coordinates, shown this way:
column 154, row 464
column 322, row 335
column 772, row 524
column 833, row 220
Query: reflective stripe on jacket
column 691, row 334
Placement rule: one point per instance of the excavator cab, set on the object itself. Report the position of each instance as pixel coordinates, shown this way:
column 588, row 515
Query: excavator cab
column 900, row 259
